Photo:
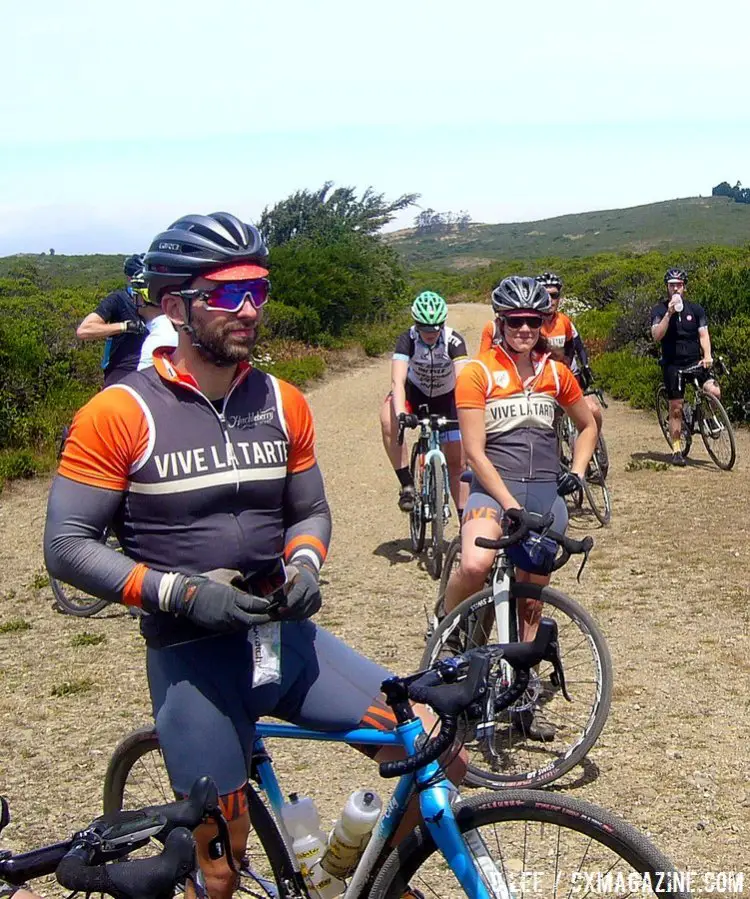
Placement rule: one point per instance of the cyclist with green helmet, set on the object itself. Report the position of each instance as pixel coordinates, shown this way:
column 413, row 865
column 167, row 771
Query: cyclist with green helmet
column 425, row 363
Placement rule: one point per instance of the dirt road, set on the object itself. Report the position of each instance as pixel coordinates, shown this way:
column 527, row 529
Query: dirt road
column 668, row 583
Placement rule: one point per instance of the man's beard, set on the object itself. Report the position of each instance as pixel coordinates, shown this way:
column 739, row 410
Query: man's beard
column 215, row 342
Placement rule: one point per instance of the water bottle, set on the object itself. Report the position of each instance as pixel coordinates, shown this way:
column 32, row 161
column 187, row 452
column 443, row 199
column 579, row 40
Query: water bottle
column 678, row 306
column 350, row 833
column 302, row 822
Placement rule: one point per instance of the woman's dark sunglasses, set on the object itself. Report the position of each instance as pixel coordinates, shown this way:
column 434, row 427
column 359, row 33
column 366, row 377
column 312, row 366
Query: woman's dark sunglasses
column 518, row 321
column 230, row 296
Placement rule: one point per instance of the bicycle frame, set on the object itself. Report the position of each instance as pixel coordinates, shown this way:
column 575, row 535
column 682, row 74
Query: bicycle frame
column 429, row 447
column 434, row 791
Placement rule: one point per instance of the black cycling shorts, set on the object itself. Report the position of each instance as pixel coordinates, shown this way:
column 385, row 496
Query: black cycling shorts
column 443, row 405
column 676, row 386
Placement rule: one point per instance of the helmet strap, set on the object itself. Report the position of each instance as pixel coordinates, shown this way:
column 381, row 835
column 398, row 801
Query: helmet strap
column 207, row 354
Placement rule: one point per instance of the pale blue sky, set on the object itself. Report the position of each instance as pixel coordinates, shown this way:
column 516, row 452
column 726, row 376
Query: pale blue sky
column 116, row 118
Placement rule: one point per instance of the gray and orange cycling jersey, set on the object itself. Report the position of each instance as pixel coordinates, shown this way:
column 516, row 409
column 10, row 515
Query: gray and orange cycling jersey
column 519, row 416
column 199, row 488
column 431, row 367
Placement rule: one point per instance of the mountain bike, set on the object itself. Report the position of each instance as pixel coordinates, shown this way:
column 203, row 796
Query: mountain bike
column 429, row 472
column 701, row 414
column 478, row 847
column 594, row 485
column 84, row 862
column 502, row 749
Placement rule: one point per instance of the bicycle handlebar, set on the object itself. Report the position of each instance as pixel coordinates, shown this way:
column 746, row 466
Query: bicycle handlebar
column 526, row 522
column 429, row 422
column 142, row 878
column 440, row 688
column 114, row 836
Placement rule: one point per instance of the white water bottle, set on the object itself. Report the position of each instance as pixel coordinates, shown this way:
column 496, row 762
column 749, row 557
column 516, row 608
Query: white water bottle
column 678, row 306
column 350, row 833
column 302, row 822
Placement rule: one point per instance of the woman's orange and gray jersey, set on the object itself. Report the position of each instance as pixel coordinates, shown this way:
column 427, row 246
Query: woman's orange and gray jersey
column 195, row 488
column 519, row 417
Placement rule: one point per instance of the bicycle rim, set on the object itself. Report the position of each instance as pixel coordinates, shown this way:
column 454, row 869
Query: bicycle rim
column 662, row 414
column 717, row 433
column 137, row 777
column 437, row 503
column 417, row 525
column 528, row 843
column 505, row 754
column 597, row 492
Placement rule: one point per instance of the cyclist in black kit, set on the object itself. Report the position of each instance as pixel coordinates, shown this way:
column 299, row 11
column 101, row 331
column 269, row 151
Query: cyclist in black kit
column 682, row 329
column 116, row 320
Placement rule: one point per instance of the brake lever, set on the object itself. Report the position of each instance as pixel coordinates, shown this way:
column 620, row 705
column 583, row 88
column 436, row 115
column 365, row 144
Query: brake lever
column 553, row 655
column 221, row 845
column 586, row 551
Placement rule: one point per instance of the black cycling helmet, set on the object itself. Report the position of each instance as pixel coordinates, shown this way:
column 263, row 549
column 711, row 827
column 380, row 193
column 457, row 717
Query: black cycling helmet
column 675, row 274
column 196, row 244
column 516, row 294
column 550, row 279
column 133, row 264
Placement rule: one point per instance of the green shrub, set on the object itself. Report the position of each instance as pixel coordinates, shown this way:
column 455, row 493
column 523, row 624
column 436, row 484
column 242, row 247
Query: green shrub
column 16, row 464
column 297, row 371
column 597, row 324
column 291, row 322
column 628, row 377
column 85, row 638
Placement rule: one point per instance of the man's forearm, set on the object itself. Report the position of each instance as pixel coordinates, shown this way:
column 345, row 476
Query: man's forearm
column 100, row 330
column 705, row 342
column 660, row 329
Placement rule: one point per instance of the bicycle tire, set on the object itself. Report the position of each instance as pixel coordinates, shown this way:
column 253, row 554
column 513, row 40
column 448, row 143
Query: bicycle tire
column 417, row 523
column 597, row 492
column 602, row 455
column 514, row 759
column 560, row 838
column 437, row 523
column 76, row 602
column 662, row 414
column 267, row 858
column 717, row 411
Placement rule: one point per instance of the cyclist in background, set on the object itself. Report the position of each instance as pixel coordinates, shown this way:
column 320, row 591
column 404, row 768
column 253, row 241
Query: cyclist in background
column 203, row 462
column 161, row 332
column 116, row 320
column 426, row 361
column 507, row 399
column 682, row 329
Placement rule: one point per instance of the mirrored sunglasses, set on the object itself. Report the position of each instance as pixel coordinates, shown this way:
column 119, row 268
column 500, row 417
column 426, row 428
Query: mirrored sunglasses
column 518, row 321
column 231, row 295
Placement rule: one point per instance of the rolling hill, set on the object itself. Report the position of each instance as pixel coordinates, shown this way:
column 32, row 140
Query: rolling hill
column 672, row 224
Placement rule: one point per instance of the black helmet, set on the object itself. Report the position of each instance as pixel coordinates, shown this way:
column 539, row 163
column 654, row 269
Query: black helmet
column 133, row 264
column 550, row 279
column 196, row 244
column 675, row 274
column 517, row 293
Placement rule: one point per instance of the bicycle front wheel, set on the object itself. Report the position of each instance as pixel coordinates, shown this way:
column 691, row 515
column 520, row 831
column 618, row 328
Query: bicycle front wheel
column 417, row 524
column 597, row 492
column 506, row 751
column 437, row 522
column 572, row 847
column 717, row 432
column 662, row 413
column 77, row 602
column 137, row 777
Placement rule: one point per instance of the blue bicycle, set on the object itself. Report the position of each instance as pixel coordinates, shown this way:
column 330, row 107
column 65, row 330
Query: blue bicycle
column 501, row 845
column 429, row 471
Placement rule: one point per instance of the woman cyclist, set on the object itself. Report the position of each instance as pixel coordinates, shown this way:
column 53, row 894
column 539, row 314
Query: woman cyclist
column 507, row 398
column 426, row 361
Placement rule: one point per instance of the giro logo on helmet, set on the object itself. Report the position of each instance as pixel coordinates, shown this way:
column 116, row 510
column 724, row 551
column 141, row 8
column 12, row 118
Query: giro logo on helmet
column 165, row 245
